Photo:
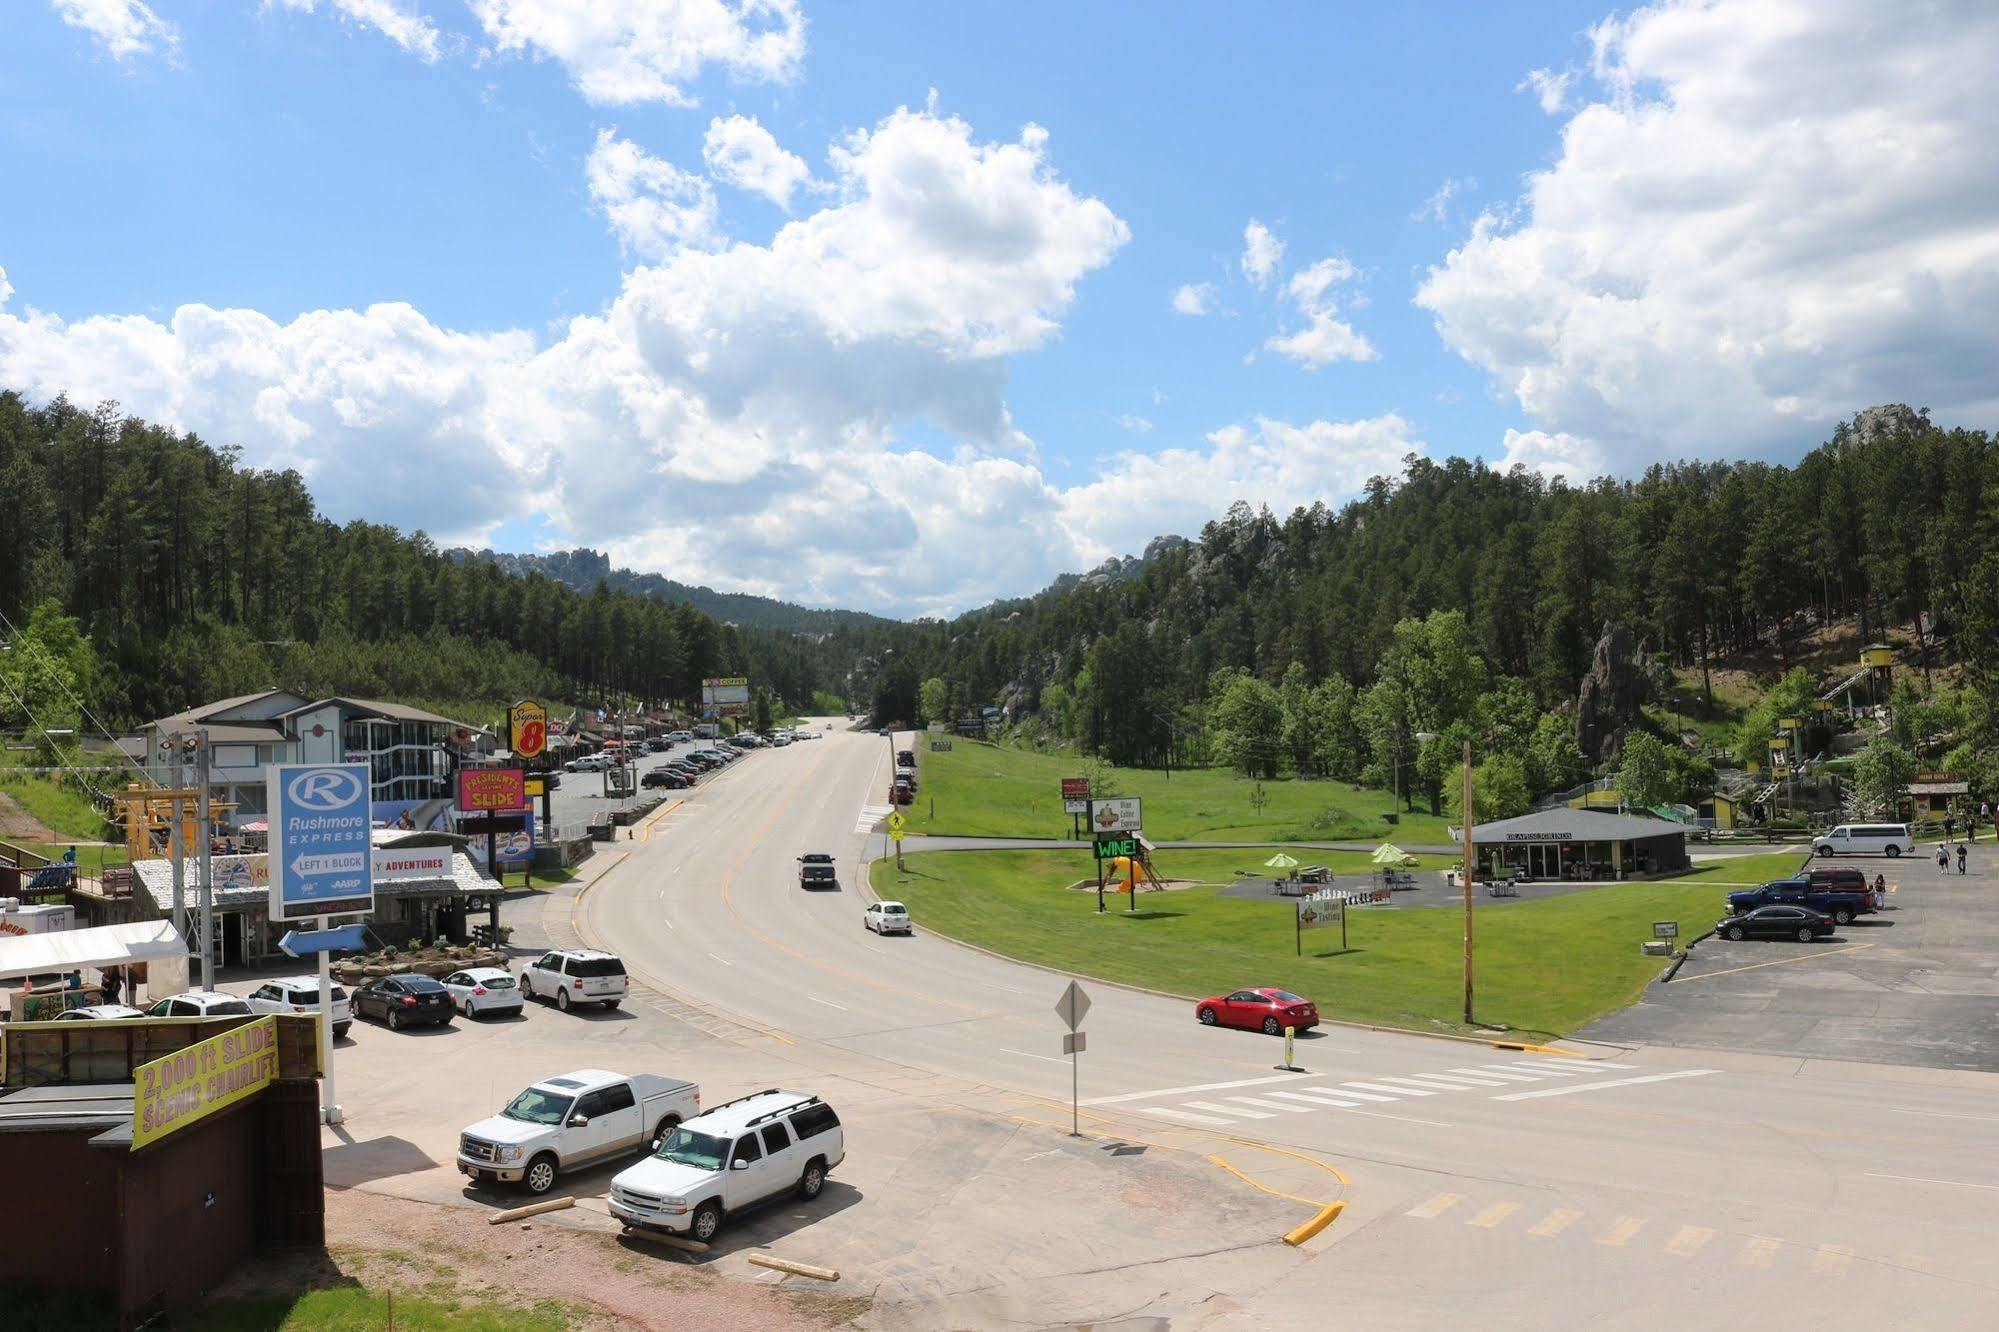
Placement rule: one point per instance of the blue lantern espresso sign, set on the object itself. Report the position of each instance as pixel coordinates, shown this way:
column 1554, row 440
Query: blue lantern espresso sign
column 321, row 861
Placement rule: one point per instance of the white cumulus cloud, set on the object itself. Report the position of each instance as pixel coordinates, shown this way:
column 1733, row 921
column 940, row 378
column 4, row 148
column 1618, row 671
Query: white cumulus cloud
column 1550, row 88
column 619, row 52
column 1776, row 213
column 1261, row 253
column 654, row 207
column 1324, row 337
column 742, row 153
column 1194, row 298
column 123, row 28
column 402, row 23
column 1574, row 459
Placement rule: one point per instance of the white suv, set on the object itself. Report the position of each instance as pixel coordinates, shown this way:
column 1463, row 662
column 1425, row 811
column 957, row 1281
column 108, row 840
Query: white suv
column 199, row 1003
column 736, row 1156
column 576, row 976
column 300, row 994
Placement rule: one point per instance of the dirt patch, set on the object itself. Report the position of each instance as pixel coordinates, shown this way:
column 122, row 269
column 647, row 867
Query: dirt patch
column 446, row 1253
column 18, row 825
column 1163, row 885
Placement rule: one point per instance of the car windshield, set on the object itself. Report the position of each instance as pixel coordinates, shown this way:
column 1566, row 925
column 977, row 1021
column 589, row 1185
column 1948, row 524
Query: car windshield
column 596, row 966
column 694, row 1149
column 495, row 982
column 1286, row 997
column 893, row 909
column 421, row 985
column 535, row 1106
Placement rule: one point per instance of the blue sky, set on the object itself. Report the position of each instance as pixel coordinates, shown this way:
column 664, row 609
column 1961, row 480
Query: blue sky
column 982, row 381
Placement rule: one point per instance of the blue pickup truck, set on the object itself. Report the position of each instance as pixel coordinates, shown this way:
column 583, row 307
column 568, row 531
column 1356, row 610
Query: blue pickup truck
column 1840, row 902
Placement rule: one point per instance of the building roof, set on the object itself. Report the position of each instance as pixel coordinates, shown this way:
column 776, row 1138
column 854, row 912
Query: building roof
column 393, row 711
column 1939, row 788
column 100, row 1105
column 102, row 946
column 1578, row 825
column 197, row 716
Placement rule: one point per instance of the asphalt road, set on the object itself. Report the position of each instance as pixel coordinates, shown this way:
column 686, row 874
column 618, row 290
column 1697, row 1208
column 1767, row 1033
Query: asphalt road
column 1641, row 1189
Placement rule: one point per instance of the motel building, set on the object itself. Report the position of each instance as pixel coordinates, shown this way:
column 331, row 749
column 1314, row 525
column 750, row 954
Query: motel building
column 1580, row 844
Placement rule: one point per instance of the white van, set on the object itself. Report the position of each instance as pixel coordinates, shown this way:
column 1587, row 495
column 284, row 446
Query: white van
column 1866, row 839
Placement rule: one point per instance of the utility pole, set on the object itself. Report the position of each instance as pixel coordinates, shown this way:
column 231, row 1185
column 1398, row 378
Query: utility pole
column 206, row 830
column 1465, row 832
column 176, row 849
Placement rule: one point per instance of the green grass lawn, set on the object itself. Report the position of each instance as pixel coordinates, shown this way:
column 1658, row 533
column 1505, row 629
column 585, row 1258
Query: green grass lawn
column 1749, row 870
column 984, row 790
column 64, row 812
column 351, row 1309
column 1545, row 968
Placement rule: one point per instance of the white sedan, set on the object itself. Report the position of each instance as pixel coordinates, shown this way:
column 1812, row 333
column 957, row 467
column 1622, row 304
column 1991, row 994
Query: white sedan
column 481, row 991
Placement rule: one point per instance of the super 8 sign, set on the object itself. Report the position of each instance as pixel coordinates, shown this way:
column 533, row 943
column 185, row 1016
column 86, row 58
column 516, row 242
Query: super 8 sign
column 528, row 721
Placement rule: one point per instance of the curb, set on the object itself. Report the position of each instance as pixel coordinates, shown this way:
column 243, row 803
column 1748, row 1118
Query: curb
column 1326, row 1217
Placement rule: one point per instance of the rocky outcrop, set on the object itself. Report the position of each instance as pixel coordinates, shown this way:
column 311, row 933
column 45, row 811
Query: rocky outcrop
column 1888, row 421
column 1612, row 692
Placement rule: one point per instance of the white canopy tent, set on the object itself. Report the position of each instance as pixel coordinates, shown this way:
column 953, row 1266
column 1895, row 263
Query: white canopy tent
column 153, row 942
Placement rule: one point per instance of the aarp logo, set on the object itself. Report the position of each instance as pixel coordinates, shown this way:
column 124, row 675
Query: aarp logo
column 324, row 790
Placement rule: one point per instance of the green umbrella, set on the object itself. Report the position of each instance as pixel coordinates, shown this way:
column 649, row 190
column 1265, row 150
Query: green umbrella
column 1281, row 861
column 1390, row 854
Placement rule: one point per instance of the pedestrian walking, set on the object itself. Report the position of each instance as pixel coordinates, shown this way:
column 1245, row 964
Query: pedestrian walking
column 1949, row 826
column 1960, row 858
column 1943, row 858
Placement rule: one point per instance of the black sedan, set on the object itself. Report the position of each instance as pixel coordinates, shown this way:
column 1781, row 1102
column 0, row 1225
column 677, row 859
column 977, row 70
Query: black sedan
column 1776, row 922
column 404, row 1001
column 672, row 781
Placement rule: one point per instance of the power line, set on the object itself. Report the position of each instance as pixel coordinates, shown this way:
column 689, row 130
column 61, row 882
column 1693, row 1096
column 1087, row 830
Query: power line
column 16, row 635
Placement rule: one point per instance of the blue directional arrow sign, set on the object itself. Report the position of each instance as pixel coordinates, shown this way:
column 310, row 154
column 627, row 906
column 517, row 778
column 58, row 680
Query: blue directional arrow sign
column 304, row 943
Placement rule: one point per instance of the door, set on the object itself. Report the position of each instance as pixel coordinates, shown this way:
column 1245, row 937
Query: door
column 594, row 1138
column 782, row 1166
column 746, row 1181
column 1245, row 1009
column 622, row 1116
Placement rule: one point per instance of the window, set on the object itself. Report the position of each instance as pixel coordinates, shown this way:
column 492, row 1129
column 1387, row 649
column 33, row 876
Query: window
column 1247, row 997
column 590, row 1104
column 615, row 1098
column 229, row 1008
column 747, row 1149
column 458, row 978
column 814, row 1120
column 596, row 966
column 776, row 1139
column 182, row 1008
column 549, row 962
column 270, row 992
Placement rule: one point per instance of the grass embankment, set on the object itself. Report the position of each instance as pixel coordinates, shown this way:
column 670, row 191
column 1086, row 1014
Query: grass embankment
column 1544, row 967
column 1749, row 871
column 986, row 790
column 66, row 813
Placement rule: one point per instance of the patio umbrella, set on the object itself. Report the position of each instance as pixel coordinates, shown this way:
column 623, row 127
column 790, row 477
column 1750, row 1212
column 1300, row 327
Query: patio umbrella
column 1281, row 861
column 1390, row 854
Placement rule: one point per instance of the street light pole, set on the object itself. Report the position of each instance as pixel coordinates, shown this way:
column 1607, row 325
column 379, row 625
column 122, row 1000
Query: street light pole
column 1465, row 832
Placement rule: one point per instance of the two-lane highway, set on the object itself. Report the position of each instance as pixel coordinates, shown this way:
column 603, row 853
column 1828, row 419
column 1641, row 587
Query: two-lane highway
column 1632, row 1174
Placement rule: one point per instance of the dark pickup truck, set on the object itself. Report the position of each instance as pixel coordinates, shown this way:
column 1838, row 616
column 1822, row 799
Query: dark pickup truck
column 1834, row 898
column 816, row 870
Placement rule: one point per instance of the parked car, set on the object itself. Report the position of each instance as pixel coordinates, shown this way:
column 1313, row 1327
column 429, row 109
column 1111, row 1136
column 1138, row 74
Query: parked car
column 479, row 991
column 748, row 1152
column 571, row 976
column 99, row 1013
column 900, row 794
column 887, row 918
column 300, row 994
column 679, row 737
column 563, row 1122
column 808, row 735
column 551, row 778
column 906, row 777
column 588, row 763
column 672, row 781
column 905, row 758
column 1266, row 1010
column 199, row 1003
column 817, row 870
column 1842, row 903
column 1866, row 839
column 406, row 1000
column 1776, row 922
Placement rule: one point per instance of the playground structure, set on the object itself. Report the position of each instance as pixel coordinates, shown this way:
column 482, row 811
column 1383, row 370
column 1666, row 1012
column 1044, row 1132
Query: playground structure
column 146, row 814
column 1133, row 871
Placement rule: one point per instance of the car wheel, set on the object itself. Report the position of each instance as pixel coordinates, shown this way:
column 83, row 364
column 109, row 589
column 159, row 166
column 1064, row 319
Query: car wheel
column 1735, row 933
column 664, row 1130
column 1271, row 1026
column 527, row 989
column 1207, row 1016
column 540, row 1175
column 1894, row 852
column 341, row 1030
column 395, row 1020
column 707, row 1220
column 612, row 1003
column 1804, row 935
column 1842, row 916
column 813, row 1180
column 562, row 1000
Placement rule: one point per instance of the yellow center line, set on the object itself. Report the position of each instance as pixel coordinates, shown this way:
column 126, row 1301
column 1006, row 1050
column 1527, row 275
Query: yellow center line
column 1833, row 1260
column 1688, row 1241
column 1621, row 1231
column 1779, row 962
column 1494, row 1215
column 1555, row 1222
column 1759, row 1251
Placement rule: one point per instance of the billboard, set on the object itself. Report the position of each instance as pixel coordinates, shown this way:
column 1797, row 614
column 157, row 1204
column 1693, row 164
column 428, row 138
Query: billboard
column 725, row 697
column 1075, row 795
column 1113, row 816
column 388, row 864
column 492, row 790
column 192, row 1083
column 527, row 728
column 321, row 822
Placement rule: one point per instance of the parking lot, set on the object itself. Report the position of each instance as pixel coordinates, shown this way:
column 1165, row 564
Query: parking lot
column 1917, row 984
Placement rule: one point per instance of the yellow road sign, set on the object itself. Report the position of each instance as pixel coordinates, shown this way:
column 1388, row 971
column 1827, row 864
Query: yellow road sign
column 896, row 823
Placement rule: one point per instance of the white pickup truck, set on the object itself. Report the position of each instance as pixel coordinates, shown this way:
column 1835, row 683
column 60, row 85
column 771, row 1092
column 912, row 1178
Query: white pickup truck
column 573, row 1120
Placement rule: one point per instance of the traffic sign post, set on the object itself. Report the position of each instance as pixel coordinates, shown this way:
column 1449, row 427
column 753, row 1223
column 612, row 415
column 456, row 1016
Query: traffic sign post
column 1070, row 1008
column 897, row 825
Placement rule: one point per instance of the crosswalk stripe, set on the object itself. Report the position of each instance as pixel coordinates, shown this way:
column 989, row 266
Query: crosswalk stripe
column 1509, row 1075
column 1436, row 1082
column 1621, row 1231
column 1688, row 1241
column 1182, row 1115
column 1267, row 1105
column 1343, row 1090
column 1322, row 1099
column 1534, row 1070
column 1555, row 1222
column 1759, row 1251
column 1214, row 1109
column 1377, row 1087
column 1574, row 1087
column 1494, row 1214
column 1437, row 1206
column 1832, row 1260
column 1463, row 1078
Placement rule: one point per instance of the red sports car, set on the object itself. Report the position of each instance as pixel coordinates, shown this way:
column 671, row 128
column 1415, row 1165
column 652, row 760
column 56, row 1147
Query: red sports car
column 1267, row 1011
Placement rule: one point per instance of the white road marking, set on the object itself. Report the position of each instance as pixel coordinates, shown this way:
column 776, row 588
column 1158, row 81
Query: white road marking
column 1212, row 1108
column 1343, row 1091
column 1918, row 1179
column 1407, row 1119
column 1507, row 1076
column 1031, row 1055
column 1534, row 1070
column 1600, row 1086
column 828, row 1002
column 1268, row 1105
column 1437, row 1206
column 1198, row 1087
column 1312, row 1100
column 663, row 920
column 1182, row 1114
column 1940, row 1114
column 1437, row 1082
column 723, row 960
column 1461, row 1079
column 1397, row 1091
